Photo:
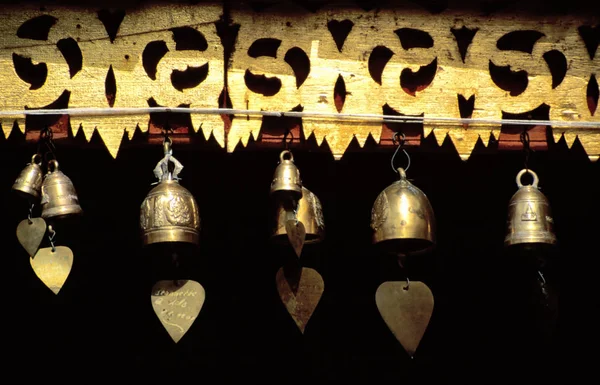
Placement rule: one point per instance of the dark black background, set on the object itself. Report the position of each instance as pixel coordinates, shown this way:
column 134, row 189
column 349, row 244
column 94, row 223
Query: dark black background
column 486, row 326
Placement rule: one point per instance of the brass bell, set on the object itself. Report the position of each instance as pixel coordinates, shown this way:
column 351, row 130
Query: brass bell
column 308, row 211
column 287, row 176
column 169, row 213
column 402, row 219
column 59, row 198
column 529, row 217
column 29, row 182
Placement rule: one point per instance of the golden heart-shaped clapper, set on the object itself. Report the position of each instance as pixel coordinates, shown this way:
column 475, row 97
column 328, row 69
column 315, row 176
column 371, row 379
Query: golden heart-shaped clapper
column 30, row 233
column 52, row 266
column 406, row 308
column 300, row 289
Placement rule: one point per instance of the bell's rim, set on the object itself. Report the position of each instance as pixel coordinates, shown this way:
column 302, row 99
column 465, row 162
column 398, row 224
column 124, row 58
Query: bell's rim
column 62, row 212
column 172, row 234
column 27, row 193
column 547, row 240
column 310, row 239
column 407, row 246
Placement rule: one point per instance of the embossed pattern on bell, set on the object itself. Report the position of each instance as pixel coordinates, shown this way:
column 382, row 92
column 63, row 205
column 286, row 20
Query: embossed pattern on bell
column 59, row 197
column 402, row 219
column 29, row 182
column 170, row 214
column 309, row 212
column 529, row 218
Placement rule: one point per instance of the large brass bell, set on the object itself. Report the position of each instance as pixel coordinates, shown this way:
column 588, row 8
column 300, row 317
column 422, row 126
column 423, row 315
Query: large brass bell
column 286, row 178
column 59, row 198
column 29, row 182
column 169, row 213
column 529, row 217
column 308, row 211
column 402, row 219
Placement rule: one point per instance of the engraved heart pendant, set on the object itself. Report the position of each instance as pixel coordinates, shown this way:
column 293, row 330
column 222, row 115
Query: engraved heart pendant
column 177, row 305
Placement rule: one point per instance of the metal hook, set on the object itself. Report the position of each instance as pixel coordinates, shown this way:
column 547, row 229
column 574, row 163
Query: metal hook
column 400, row 146
column 51, row 237
column 524, row 138
column 167, row 146
column 30, row 213
column 407, row 284
column 46, row 136
column 543, row 280
column 285, row 137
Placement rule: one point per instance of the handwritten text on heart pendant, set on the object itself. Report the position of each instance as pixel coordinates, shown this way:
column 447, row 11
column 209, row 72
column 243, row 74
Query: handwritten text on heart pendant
column 177, row 305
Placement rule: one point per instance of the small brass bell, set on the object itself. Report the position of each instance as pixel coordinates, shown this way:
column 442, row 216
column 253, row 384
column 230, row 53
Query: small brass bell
column 402, row 219
column 169, row 212
column 29, row 182
column 287, row 176
column 529, row 217
column 59, row 197
column 308, row 211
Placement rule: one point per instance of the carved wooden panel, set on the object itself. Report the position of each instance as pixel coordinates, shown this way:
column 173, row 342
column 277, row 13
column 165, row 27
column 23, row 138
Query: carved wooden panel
column 155, row 55
column 335, row 60
column 454, row 64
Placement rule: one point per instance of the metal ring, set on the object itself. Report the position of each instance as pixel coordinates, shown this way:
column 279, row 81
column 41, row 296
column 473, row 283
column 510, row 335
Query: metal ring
column 167, row 146
column 37, row 156
column 53, row 162
column 395, row 137
column 285, row 137
column 523, row 172
column 400, row 146
column 284, row 153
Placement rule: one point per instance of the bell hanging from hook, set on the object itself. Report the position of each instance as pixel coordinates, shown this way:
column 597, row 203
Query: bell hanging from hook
column 286, row 179
column 169, row 213
column 29, row 182
column 402, row 218
column 308, row 211
column 59, row 198
column 530, row 221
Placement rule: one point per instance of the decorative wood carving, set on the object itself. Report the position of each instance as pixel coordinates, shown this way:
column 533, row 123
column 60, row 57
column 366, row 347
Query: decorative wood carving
column 336, row 60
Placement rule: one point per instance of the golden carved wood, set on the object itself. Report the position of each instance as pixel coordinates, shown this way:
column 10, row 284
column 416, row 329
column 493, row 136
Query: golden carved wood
column 338, row 59
column 122, row 56
column 438, row 48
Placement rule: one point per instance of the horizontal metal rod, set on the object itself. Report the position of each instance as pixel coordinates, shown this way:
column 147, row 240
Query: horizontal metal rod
column 373, row 118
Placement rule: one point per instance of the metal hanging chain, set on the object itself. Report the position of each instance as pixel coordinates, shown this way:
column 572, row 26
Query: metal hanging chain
column 401, row 143
column 542, row 280
column 287, row 143
column 296, row 204
column 46, row 140
column 30, row 213
column 526, row 148
column 52, row 233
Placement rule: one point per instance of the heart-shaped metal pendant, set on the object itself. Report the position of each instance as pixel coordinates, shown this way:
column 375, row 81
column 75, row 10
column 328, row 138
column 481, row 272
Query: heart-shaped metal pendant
column 30, row 233
column 406, row 308
column 177, row 305
column 300, row 290
column 296, row 234
column 53, row 266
